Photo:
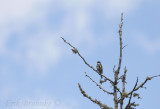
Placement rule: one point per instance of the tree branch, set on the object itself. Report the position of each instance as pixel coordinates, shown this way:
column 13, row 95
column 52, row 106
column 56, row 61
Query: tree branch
column 98, row 84
column 124, row 46
column 95, row 101
column 76, row 52
column 129, row 104
column 124, row 80
column 119, row 65
column 123, row 88
column 120, row 38
column 142, row 84
column 135, row 89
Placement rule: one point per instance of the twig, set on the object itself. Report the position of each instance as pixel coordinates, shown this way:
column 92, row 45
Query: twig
column 98, row 85
column 128, row 105
column 114, row 68
column 80, row 55
column 124, row 46
column 132, row 104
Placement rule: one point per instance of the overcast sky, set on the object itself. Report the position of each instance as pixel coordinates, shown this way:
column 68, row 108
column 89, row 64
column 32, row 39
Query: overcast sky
column 37, row 67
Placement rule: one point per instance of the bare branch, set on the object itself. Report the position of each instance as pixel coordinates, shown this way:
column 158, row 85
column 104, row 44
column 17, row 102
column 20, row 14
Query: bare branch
column 124, row 46
column 77, row 52
column 119, row 65
column 133, row 89
column 124, row 79
column 107, row 79
column 142, row 84
column 120, row 38
column 114, row 68
column 123, row 88
column 98, row 85
column 131, row 105
column 128, row 105
column 113, row 86
column 95, row 101
column 80, row 55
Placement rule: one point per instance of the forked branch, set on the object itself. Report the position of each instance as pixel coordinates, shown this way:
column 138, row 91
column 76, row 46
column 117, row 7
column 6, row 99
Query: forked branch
column 142, row 84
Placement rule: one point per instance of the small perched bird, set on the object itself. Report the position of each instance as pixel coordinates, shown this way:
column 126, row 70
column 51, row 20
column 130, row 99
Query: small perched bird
column 99, row 68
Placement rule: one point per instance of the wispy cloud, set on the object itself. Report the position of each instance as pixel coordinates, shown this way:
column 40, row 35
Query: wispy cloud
column 25, row 38
column 114, row 7
column 36, row 39
column 150, row 45
column 18, row 9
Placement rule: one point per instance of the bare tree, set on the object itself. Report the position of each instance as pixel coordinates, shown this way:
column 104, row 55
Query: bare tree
column 119, row 94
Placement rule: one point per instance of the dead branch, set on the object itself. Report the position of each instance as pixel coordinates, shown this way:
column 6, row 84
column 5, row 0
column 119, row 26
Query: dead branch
column 120, row 38
column 123, row 88
column 142, row 84
column 124, row 46
column 119, row 65
column 129, row 104
column 95, row 101
column 77, row 52
column 98, row 84
column 124, row 80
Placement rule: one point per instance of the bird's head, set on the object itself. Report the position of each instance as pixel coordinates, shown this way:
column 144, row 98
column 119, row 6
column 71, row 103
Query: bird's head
column 98, row 62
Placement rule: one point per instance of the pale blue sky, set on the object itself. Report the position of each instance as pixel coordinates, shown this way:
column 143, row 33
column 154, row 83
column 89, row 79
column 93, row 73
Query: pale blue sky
column 36, row 65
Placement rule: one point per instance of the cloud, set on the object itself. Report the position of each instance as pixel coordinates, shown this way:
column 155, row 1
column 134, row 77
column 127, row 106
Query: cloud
column 18, row 9
column 28, row 37
column 78, row 21
column 41, row 52
column 111, row 8
column 35, row 53
column 114, row 7
column 24, row 35
column 148, row 44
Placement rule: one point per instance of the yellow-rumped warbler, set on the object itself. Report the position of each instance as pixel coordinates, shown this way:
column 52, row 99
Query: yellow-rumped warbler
column 99, row 68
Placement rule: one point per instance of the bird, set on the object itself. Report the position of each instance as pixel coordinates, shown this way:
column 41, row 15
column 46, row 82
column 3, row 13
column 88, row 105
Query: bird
column 99, row 68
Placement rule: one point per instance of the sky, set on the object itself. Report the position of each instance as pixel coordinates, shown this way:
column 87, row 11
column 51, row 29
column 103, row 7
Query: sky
column 39, row 71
